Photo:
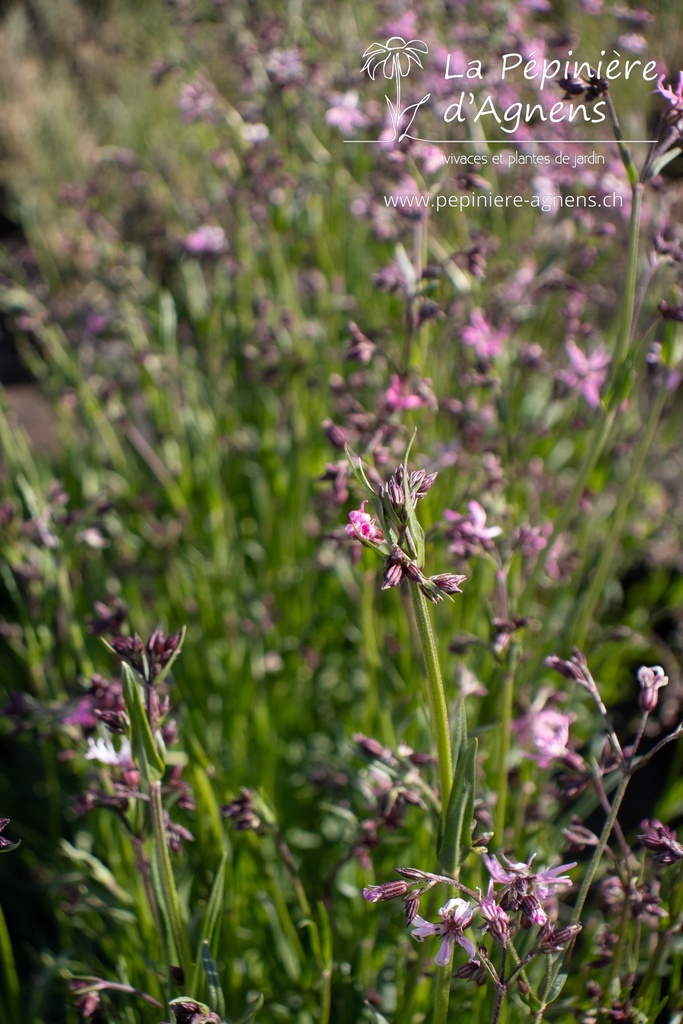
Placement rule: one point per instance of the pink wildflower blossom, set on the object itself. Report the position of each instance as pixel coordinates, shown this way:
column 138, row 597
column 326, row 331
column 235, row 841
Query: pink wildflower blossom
column 205, row 240
column 548, row 731
column 587, row 372
column 481, row 336
column 363, row 526
column 344, row 113
column 675, row 98
column 398, row 395
column 469, row 534
column 455, row 916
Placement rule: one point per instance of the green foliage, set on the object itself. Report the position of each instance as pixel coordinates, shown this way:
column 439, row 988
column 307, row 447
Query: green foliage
column 187, row 444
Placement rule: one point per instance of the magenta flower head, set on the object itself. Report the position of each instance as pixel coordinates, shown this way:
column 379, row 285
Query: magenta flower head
column 363, row 527
column 586, row 373
column 455, row 916
column 399, row 396
column 482, row 337
column 674, row 96
column 527, row 890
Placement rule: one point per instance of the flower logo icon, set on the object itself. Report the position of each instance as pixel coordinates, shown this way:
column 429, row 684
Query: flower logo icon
column 395, row 58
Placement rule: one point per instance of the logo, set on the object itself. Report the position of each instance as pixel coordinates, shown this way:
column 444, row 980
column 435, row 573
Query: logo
column 395, row 58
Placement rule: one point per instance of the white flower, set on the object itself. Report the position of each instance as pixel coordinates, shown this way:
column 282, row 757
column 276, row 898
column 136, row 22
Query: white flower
column 103, row 750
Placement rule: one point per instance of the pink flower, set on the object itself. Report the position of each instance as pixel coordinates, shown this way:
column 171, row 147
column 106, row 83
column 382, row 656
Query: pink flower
column 546, row 881
column 455, row 916
column 363, row 526
column 469, row 534
column 431, row 157
column 205, row 240
column 587, row 373
column 196, row 101
column 497, row 921
column 548, row 731
column 398, row 395
column 675, row 98
column 487, row 342
column 344, row 113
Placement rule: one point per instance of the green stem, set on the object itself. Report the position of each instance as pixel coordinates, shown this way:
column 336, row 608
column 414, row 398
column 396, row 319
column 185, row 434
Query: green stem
column 619, row 518
column 436, row 695
column 504, row 733
column 442, row 735
column 442, row 992
column 170, row 892
column 599, row 849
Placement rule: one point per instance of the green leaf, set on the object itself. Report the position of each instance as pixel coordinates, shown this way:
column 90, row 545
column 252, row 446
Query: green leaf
column 12, row 1009
column 407, row 269
column 214, row 991
column 372, row 1014
column 455, row 844
column 251, row 1010
column 459, row 735
column 145, row 750
column 96, row 870
column 212, row 915
column 416, row 531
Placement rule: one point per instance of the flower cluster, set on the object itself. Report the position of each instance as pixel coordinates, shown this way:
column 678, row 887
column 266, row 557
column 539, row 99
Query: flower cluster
column 393, row 536
column 525, row 899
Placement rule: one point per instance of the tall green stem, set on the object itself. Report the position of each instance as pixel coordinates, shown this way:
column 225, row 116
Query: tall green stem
column 442, row 735
column 504, row 733
column 436, row 695
column 617, row 524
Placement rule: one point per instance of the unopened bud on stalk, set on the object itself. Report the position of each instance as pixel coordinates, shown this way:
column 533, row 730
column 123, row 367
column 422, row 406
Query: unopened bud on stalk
column 651, row 680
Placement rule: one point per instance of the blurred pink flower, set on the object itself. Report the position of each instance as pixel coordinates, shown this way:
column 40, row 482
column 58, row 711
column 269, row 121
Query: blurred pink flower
column 205, row 240
column 587, row 373
column 344, row 113
column 431, row 157
column 196, row 101
column 469, row 534
column 667, row 91
column 398, row 395
column 548, row 732
column 481, row 336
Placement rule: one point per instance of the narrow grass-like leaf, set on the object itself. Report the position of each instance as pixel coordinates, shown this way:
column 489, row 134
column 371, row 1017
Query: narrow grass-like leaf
column 416, row 531
column 145, row 750
column 214, row 992
column 12, row 1011
column 95, row 870
column 456, row 839
column 212, row 915
column 251, row 1010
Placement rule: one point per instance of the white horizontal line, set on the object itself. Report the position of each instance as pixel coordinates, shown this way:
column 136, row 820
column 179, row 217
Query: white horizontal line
column 510, row 142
